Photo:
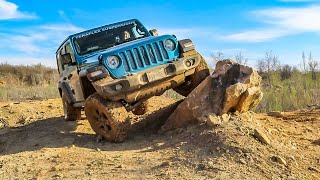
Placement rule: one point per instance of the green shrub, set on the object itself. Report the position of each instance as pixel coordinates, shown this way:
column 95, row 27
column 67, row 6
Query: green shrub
column 297, row 92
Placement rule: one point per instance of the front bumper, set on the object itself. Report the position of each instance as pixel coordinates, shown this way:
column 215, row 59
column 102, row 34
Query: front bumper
column 147, row 83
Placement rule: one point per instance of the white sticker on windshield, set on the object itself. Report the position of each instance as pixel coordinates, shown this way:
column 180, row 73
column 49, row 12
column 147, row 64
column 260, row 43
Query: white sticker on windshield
column 105, row 29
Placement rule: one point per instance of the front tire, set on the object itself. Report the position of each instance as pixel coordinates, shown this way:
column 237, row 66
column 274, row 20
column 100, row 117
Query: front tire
column 108, row 119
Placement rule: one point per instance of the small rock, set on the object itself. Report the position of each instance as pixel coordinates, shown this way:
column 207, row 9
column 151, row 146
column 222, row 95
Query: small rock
column 53, row 169
column 8, row 105
column 225, row 117
column 160, row 144
column 278, row 159
column 213, row 121
column 166, row 163
column 316, row 142
column 98, row 149
column 261, row 136
column 201, row 167
column 120, row 166
column 308, row 129
column 314, row 169
column 210, row 165
column 56, row 176
column 242, row 161
column 238, row 151
column 276, row 114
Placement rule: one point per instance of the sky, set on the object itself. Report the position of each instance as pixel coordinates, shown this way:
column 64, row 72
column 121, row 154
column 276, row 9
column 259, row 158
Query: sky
column 31, row 31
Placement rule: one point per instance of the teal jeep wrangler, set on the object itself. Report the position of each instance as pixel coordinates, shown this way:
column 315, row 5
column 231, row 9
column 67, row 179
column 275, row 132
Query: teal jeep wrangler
column 111, row 70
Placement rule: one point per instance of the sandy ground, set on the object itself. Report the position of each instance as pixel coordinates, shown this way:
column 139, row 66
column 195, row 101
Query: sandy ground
column 36, row 143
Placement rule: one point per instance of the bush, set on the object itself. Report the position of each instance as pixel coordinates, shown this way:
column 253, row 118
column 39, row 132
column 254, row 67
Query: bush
column 290, row 94
column 27, row 82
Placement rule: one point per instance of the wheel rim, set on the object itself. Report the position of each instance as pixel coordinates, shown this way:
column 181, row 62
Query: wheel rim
column 101, row 121
column 105, row 119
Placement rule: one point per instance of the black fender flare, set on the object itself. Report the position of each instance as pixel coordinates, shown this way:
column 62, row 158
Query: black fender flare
column 186, row 45
column 66, row 89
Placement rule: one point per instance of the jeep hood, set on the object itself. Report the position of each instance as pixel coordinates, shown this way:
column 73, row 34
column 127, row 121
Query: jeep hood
column 92, row 58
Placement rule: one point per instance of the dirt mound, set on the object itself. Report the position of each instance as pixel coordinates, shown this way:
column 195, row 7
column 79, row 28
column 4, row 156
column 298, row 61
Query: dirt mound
column 40, row 144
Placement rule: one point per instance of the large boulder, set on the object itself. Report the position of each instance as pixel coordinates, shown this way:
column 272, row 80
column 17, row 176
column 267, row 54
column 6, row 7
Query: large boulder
column 232, row 87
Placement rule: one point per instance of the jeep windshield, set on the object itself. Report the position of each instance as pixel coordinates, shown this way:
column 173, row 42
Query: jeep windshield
column 108, row 36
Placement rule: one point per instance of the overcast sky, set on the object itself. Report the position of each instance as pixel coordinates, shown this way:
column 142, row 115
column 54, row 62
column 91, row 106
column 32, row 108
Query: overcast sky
column 30, row 30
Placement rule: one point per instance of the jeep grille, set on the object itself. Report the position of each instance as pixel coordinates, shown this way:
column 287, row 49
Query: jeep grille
column 144, row 56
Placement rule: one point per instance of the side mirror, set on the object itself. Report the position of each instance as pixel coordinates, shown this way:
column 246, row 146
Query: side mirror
column 153, row 32
column 66, row 58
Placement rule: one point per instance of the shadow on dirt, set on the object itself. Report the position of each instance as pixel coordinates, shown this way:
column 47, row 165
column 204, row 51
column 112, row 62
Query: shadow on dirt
column 57, row 133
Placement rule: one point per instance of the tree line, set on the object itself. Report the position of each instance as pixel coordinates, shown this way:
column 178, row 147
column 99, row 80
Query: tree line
column 286, row 87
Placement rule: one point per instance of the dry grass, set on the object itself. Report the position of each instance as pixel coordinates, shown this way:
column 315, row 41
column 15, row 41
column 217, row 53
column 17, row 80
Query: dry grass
column 20, row 93
column 19, row 83
column 27, row 82
column 297, row 92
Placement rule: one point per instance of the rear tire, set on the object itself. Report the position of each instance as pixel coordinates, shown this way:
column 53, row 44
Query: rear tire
column 107, row 118
column 70, row 113
column 192, row 81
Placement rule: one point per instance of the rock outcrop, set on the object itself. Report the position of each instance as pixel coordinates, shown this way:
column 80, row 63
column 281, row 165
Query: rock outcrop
column 232, row 87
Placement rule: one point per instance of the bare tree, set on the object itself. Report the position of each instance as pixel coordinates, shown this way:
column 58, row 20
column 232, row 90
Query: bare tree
column 261, row 66
column 268, row 64
column 217, row 56
column 241, row 59
column 286, row 72
column 313, row 64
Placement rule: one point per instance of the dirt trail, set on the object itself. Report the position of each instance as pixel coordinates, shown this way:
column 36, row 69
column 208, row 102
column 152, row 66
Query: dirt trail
column 39, row 144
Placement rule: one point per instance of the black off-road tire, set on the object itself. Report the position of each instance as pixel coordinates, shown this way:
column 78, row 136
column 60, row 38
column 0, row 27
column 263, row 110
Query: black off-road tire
column 141, row 109
column 192, row 81
column 70, row 113
column 107, row 118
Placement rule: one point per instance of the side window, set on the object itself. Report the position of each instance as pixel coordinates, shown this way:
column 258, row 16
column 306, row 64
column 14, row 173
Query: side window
column 69, row 50
column 59, row 60
column 65, row 62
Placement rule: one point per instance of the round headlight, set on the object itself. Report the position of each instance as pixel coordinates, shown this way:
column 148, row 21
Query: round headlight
column 113, row 62
column 169, row 44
